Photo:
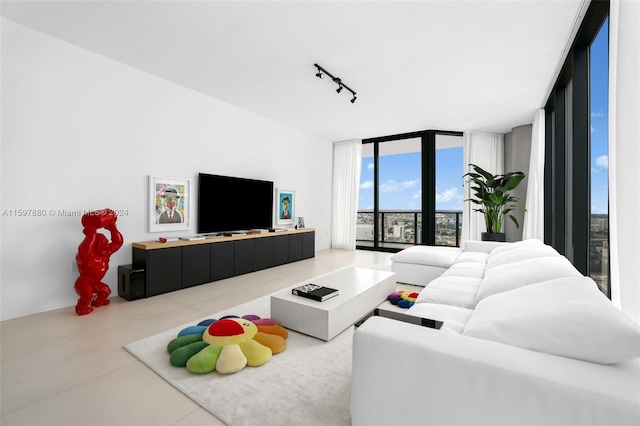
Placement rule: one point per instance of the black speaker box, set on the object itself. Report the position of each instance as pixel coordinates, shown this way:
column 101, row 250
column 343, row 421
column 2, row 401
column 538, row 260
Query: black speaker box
column 131, row 283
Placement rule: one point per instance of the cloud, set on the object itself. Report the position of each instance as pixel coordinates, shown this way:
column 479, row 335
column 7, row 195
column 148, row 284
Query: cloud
column 366, row 185
column 370, row 166
column 448, row 195
column 393, row 186
column 596, row 116
column 603, row 161
column 417, row 195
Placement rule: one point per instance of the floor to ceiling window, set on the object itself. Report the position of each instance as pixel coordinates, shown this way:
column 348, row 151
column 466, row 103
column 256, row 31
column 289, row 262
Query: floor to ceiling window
column 405, row 179
column 576, row 161
column 365, row 219
column 395, row 175
column 599, row 116
column 449, row 196
column 400, row 192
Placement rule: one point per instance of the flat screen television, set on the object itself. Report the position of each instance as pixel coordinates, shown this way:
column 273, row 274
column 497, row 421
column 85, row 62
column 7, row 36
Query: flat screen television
column 228, row 204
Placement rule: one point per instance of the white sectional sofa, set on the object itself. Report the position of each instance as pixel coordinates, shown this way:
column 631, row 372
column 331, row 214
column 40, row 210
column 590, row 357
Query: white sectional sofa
column 526, row 340
column 419, row 265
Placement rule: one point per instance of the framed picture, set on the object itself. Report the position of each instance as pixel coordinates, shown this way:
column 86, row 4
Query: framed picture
column 286, row 200
column 300, row 223
column 169, row 204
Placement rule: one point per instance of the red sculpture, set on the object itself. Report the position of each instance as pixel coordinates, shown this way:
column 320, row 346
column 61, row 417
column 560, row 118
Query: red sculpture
column 93, row 259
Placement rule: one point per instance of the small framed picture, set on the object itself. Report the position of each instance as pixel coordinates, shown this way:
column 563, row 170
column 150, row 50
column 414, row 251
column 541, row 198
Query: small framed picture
column 300, row 223
column 169, row 204
column 286, row 200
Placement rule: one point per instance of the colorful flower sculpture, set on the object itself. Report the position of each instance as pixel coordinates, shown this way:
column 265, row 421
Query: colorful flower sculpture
column 227, row 345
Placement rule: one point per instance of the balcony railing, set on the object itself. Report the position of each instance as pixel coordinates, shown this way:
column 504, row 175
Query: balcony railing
column 404, row 227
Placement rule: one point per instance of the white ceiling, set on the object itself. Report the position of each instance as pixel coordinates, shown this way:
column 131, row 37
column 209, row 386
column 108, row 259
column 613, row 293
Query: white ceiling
column 416, row 65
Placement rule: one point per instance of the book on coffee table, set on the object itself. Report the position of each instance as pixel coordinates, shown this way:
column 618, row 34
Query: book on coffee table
column 315, row 292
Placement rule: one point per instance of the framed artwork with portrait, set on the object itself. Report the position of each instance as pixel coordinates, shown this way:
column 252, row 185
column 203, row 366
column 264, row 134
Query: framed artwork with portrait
column 285, row 210
column 169, row 204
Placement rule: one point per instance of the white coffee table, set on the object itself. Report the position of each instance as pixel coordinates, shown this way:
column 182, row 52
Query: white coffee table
column 361, row 290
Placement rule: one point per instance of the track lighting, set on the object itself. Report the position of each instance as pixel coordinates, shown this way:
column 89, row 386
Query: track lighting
column 338, row 81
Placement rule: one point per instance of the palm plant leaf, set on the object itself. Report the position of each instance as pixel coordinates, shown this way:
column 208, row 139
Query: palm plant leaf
column 492, row 192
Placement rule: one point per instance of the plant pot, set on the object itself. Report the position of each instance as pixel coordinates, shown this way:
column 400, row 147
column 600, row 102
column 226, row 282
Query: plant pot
column 490, row 236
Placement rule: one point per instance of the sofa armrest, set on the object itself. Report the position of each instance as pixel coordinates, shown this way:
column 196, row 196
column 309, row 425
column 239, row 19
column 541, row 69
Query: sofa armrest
column 408, row 374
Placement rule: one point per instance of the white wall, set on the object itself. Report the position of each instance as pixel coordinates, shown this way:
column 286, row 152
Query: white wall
column 80, row 131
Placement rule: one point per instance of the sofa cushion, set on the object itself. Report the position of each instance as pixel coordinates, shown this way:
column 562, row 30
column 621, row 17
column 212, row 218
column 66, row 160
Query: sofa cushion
column 453, row 318
column 514, row 275
column 482, row 246
column 465, row 269
column 519, row 244
column 569, row 317
column 473, row 256
column 519, row 253
column 428, row 255
column 451, row 290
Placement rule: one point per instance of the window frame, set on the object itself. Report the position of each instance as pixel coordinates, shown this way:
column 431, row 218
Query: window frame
column 428, row 174
column 567, row 186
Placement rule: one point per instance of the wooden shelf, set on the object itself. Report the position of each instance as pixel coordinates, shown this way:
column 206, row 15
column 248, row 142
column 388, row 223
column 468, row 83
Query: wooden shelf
column 152, row 245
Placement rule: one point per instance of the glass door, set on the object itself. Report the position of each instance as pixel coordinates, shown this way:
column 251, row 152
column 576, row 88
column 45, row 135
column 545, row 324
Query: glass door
column 400, row 192
column 410, row 191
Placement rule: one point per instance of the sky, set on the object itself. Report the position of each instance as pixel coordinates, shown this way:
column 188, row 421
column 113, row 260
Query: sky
column 599, row 121
column 401, row 186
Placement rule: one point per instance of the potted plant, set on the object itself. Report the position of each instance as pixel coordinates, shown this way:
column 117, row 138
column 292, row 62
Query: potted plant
column 492, row 195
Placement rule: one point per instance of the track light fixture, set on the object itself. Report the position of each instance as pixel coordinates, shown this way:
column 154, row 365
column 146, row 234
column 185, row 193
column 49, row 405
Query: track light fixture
column 321, row 72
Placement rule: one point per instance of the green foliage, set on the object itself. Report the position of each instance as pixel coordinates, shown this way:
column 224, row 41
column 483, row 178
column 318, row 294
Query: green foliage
column 492, row 196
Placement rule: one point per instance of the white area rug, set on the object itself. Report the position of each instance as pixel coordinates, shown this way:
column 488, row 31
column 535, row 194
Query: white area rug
column 307, row 384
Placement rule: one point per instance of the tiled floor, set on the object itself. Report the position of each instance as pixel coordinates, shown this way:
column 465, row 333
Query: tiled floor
column 61, row 369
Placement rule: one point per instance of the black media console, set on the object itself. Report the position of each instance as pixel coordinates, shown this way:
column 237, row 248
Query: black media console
column 175, row 265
